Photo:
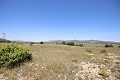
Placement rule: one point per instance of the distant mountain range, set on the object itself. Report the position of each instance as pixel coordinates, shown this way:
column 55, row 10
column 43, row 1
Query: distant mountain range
column 76, row 41
column 84, row 41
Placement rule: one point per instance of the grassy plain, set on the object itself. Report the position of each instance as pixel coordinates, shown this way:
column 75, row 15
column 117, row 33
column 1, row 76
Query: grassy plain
column 62, row 62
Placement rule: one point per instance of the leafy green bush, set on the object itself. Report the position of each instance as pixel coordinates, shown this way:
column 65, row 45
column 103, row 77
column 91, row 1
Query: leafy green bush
column 68, row 43
column 41, row 42
column 71, row 43
column 12, row 55
column 81, row 45
column 108, row 45
column 63, row 42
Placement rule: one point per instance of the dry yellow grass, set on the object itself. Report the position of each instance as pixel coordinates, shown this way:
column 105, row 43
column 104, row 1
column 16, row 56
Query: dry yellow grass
column 56, row 62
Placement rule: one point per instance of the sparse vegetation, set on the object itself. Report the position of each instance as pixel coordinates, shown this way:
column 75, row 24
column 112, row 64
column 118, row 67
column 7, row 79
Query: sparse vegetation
column 108, row 45
column 68, row 43
column 104, row 73
column 81, row 45
column 51, row 61
column 103, row 51
column 88, row 50
column 64, row 43
column 107, row 60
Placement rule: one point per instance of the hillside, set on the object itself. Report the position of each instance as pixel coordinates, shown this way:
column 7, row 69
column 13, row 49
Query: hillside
column 4, row 40
column 83, row 41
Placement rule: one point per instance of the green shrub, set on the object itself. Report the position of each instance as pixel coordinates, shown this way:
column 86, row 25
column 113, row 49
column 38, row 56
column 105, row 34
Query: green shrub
column 12, row 55
column 81, row 45
column 70, row 43
column 64, row 42
column 41, row 42
column 108, row 45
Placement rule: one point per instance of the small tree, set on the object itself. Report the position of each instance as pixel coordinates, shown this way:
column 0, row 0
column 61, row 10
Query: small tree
column 41, row 42
column 110, row 45
column 70, row 43
column 64, row 42
column 106, row 45
column 81, row 45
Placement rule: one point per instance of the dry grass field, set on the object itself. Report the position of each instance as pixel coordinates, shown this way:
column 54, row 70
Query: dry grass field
column 62, row 62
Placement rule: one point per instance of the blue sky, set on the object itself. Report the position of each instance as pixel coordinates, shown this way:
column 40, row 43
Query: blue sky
column 43, row 20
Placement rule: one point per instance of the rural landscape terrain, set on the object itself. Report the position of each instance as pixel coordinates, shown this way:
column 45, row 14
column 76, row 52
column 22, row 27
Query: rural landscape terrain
column 59, row 39
column 63, row 61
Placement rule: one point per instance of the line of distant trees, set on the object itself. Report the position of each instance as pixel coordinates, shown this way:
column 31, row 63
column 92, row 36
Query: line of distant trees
column 31, row 43
column 72, row 44
column 82, row 45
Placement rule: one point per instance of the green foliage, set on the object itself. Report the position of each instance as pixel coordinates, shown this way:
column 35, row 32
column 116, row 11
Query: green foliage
column 118, row 46
column 12, row 55
column 64, row 42
column 41, row 42
column 81, row 45
column 108, row 45
column 70, row 43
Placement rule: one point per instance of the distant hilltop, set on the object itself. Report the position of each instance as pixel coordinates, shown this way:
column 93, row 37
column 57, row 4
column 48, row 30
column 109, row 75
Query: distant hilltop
column 84, row 41
column 4, row 40
column 60, row 41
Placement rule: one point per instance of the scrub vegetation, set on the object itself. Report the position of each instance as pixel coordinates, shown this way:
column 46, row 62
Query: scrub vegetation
column 59, row 62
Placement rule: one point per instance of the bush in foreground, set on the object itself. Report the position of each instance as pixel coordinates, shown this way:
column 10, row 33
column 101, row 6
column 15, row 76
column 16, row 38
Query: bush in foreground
column 12, row 55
